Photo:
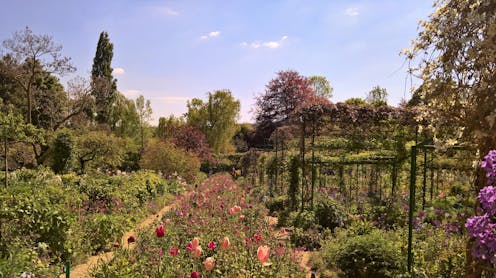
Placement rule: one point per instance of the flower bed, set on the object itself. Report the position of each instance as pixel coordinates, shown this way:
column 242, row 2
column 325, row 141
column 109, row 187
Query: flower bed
column 218, row 230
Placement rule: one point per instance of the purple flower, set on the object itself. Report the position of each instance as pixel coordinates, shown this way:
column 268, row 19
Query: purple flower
column 487, row 198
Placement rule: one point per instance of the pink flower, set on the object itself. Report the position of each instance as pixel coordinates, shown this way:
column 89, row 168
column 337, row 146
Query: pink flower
column 257, row 237
column 241, row 217
column 209, row 263
column 263, row 253
column 116, row 244
column 237, row 209
column 211, row 245
column 225, row 243
column 197, row 252
column 195, row 242
column 173, row 251
column 131, row 239
column 231, row 211
column 189, row 247
column 194, row 274
column 160, row 231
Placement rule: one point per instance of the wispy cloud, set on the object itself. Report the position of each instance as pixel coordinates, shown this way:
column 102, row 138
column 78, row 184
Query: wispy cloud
column 212, row 34
column 167, row 11
column 131, row 93
column 118, row 71
column 351, row 11
column 173, row 99
column 267, row 44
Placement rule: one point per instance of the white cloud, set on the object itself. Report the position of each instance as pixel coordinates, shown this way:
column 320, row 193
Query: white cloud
column 167, row 11
column 118, row 71
column 268, row 44
column 351, row 11
column 212, row 34
column 173, row 99
column 131, row 93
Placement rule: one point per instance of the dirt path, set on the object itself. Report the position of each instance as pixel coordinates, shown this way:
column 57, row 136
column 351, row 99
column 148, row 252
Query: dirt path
column 302, row 256
column 82, row 270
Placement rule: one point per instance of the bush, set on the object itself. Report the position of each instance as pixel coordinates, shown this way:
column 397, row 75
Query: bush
column 369, row 255
column 304, row 220
column 329, row 214
column 277, row 204
column 309, row 239
column 166, row 158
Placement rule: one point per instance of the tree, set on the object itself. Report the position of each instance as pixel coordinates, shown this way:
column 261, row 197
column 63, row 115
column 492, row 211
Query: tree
column 283, row 95
column 321, row 86
column 29, row 55
column 104, row 85
column 355, row 101
column 144, row 111
column 215, row 118
column 13, row 130
column 124, row 119
column 377, row 96
column 100, row 149
column 457, row 53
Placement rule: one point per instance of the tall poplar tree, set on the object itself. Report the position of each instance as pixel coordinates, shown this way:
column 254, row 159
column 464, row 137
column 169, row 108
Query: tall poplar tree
column 104, row 85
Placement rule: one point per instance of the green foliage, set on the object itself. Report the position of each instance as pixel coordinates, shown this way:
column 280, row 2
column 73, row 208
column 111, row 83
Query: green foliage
column 309, row 239
column 216, row 118
column 329, row 214
column 302, row 219
column 356, row 101
column 62, row 151
column 103, row 229
column 166, row 158
column 104, row 85
column 98, row 149
column 294, row 182
column 321, row 86
column 277, row 204
column 377, row 96
column 369, row 255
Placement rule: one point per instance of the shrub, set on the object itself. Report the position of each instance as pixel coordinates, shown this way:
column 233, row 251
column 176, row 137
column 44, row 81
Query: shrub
column 309, row 239
column 166, row 158
column 277, row 204
column 369, row 255
column 304, row 219
column 329, row 214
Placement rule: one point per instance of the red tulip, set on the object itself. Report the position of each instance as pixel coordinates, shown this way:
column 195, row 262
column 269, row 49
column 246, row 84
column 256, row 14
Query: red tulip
column 194, row 274
column 257, row 237
column 116, row 244
column 131, row 239
column 173, row 251
column 160, row 231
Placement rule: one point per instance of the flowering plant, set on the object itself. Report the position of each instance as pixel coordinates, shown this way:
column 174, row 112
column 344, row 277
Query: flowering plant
column 483, row 227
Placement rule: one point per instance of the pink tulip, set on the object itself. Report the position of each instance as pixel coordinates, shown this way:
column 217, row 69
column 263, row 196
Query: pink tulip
column 241, row 217
column 160, row 231
column 211, row 245
column 263, row 253
column 197, row 252
column 231, row 211
column 116, row 244
column 237, row 209
column 195, row 242
column 225, row 243
column 189, row 247
column 209, row 263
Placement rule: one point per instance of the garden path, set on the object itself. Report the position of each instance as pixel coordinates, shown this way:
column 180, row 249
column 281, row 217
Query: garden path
column 302, row 256
column 83, row 270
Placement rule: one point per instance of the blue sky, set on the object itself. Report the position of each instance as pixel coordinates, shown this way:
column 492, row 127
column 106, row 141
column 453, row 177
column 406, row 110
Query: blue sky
column 171, row 51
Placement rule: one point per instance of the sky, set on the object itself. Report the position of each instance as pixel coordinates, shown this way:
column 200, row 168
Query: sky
column 172, row 51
